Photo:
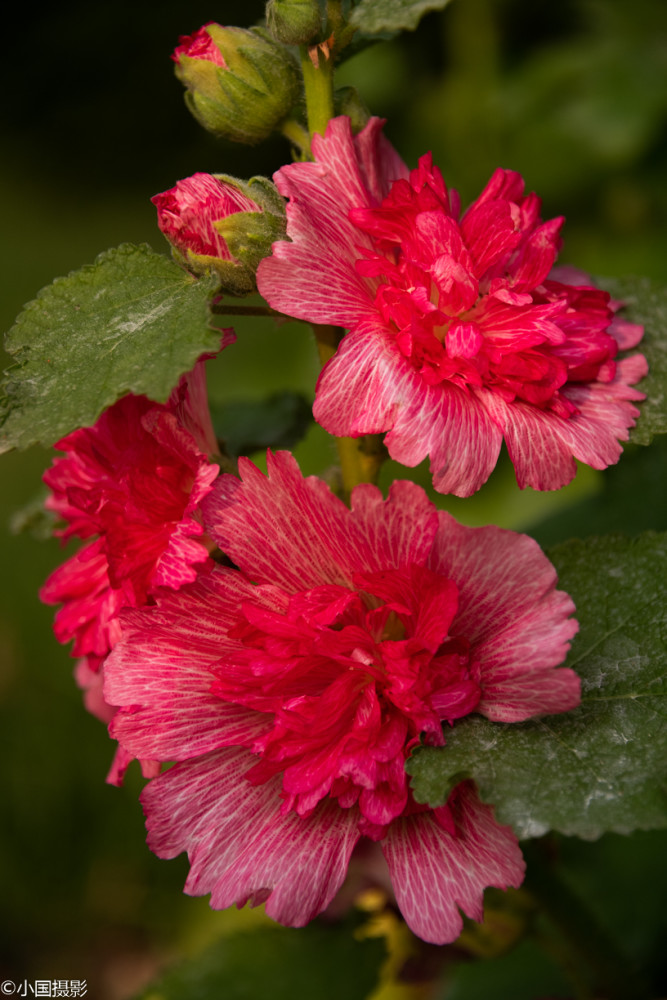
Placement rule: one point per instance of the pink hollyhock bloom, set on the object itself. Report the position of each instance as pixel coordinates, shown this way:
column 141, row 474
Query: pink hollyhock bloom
column 187, row 213
column 460, row 333
column 291, row 690
column 133, row 483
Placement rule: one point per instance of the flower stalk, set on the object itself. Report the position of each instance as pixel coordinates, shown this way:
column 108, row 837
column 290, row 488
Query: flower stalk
column 317, row 69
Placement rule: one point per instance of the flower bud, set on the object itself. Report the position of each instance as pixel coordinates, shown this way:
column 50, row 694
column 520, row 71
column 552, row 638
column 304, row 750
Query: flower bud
column 294, row 22
column 240, row 83
column 348, row 102
column 222, row 224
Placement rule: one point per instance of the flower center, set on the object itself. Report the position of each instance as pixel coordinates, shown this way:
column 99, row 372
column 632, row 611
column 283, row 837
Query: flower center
column 349, row 679
column 469, row 301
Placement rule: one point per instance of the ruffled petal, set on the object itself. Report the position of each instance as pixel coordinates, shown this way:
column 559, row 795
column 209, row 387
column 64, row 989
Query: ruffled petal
column 162, row 672
column 451, row 426
column 517, row 623
column 292, row 531
column 313, row 277
column 434, row 873
column 241, row 849
column 362, row 388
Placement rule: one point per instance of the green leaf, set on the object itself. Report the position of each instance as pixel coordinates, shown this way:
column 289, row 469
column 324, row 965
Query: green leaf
column 603, row 766
column 131, row 322
column 321, row 960
column 379, row 17
column 646, row 303
column 253, row 425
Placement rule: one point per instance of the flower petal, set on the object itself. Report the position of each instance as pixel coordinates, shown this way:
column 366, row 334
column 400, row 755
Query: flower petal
column 292, row 531
column 518, row 624
column 313, row 277
column 434, row 873
column 161, row 674
column 241, row 848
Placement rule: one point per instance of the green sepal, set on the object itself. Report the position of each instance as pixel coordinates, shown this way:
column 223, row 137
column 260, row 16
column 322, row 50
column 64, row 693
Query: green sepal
column 348, row 102
column 250, row 235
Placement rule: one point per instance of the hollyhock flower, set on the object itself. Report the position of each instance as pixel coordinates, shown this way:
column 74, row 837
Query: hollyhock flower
column 132, row 483
column 460, row 332
column 290, row 691
column 187, row 213
column 203, row 214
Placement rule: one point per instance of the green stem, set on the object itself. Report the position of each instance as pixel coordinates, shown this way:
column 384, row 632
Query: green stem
column 360, row 458
column 297, row 135
column 318, row 85
column 588, row 945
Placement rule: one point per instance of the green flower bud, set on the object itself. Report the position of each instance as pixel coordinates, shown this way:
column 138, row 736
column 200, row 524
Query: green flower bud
column 241, row 83
column 295, row 22
column 347, row 102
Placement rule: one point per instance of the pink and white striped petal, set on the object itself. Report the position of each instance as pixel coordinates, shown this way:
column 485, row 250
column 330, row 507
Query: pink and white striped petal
column 435, row 874
column 518, row 624
column 161, row 676
column 293, row 532
column 241, row 848
column 314, row 277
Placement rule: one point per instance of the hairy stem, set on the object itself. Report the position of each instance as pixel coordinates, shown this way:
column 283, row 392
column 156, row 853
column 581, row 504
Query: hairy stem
column 297, row 135
column 318, row 85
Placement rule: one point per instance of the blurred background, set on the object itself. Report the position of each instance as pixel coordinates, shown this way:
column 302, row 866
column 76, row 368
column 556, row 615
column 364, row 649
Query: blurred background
column 574, row 96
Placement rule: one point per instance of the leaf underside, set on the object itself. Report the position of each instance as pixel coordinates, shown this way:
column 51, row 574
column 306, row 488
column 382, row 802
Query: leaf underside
column 378, row 17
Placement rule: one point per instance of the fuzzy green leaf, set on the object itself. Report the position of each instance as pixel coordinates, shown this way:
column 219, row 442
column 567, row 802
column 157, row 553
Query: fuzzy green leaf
column 602, row 767
column 646, row 303
column 131, row 322
column 321, row 960
column 380, row 17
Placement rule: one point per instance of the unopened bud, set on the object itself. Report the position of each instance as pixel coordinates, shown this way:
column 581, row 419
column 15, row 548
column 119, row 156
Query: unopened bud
column 347, row 102
column 222, row 224
column 240, row 83
column 295, row 22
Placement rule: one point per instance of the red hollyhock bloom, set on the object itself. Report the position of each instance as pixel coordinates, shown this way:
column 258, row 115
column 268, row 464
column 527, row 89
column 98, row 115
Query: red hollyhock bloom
column 133, row 483
column 460, row 332
column 290, row 692
column 187, row 213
